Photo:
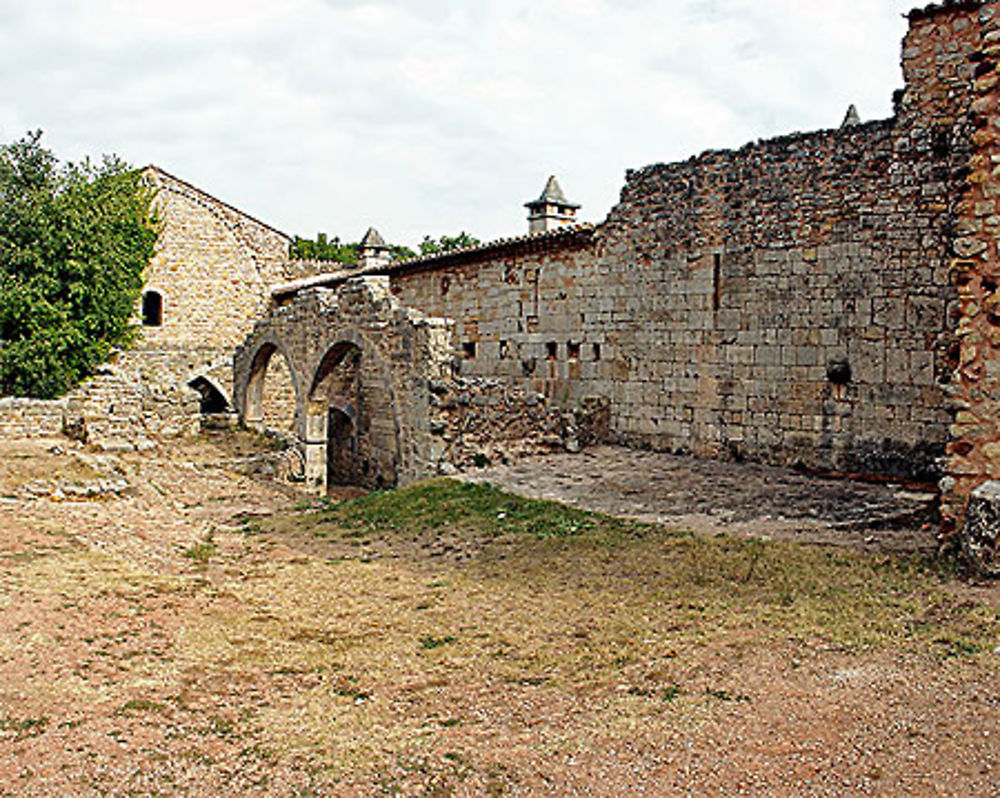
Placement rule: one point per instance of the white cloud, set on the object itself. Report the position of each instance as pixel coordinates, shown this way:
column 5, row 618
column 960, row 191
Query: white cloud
column 430, row 116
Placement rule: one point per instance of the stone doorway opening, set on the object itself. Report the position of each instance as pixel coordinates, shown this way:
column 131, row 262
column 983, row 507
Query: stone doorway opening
column 342, row 467
column 341, row 446
column 213, row 401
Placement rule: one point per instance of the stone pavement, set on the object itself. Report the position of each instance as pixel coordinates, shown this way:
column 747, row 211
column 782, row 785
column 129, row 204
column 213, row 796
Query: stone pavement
column 712, row 497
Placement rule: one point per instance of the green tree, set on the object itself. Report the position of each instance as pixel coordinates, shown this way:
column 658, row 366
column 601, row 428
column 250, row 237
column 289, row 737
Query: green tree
column 324, row 248
column 332, row 249
column 436, row 246
column 74, row 241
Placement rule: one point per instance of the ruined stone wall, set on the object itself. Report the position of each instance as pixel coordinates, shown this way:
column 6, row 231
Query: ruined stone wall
column 784, row 302
column 974, row 103
column 119, row 408
column 357, row 336
column 31, row 418
column 787, row 302
column 483, row 421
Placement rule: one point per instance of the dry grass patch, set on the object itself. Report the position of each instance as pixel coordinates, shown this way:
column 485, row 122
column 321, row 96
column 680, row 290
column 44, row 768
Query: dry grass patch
column 27, row 462
column 452, row 639
column 453, row 612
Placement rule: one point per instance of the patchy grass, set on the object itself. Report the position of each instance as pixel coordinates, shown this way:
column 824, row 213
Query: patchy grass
column 476, row 509
column 202, row 552
column 700, row 586
column 653, row 625
column 455, row 639
column 22, row 728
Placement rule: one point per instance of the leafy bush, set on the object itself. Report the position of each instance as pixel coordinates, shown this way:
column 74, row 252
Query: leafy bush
column 74, row 241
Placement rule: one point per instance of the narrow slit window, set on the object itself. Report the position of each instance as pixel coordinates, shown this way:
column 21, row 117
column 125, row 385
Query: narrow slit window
column 551, row 350
column 152, row 309
column 597, row 352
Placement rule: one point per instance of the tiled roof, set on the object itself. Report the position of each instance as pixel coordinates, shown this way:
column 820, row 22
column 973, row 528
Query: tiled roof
column 526, row 242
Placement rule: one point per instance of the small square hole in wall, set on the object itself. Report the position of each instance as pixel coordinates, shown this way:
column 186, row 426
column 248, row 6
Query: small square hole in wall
column 504, row 350
column 597, row 352
column 551, row 350
column 469, row 350
column 573, row 350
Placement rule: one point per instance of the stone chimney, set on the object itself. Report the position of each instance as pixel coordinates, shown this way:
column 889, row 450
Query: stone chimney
column 374, row 251
column 551, row 209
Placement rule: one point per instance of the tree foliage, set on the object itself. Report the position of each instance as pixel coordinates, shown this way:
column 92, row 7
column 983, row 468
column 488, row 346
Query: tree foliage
column 437, row 246
column 332, row 249
column 74, row 241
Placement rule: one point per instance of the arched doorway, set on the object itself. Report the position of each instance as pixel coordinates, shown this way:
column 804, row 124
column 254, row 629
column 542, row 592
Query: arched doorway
column 213, row 401
column 271, row 392
column 342, row 464
column 351, row 436
column 334, row 421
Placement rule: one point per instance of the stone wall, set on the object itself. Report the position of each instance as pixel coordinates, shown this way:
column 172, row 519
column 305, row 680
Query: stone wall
column 360, row 365
column 483, row 421
column 974, row 103
column 785, row 302
column 213, row 267
column 377, row 399
column 31, row 418
column 119, row 408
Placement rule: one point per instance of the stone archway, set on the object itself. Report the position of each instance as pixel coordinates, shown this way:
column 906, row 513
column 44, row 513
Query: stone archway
column 359, row 358
column 252, row 407
column 212, row 399
column 350, row 417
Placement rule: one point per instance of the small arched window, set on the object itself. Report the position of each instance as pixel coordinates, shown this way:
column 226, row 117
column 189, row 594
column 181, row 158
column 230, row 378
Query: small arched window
column 152, row 309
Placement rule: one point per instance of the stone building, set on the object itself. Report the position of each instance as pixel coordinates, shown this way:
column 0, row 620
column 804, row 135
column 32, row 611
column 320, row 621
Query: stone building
column 820, row 299
column 824, row 299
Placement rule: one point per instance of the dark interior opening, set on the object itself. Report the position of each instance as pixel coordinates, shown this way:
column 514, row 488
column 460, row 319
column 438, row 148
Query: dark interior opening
column 152, row 309
column 212, row 399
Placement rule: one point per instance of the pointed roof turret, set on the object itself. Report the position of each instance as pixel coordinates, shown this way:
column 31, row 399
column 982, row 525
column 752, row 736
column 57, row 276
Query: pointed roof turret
column 374, row 252
column 553, row 194
column 852, row 118
column 373, row 240
column 551, row 209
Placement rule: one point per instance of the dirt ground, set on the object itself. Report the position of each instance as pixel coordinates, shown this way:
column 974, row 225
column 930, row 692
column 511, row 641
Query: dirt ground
column 735, row 498
column 169, row 627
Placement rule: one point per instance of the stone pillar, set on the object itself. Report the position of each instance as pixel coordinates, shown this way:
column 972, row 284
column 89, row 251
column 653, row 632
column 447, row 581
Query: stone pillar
column 315, row 448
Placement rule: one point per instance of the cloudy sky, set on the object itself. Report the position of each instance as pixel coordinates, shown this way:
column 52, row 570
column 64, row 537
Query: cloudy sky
column 432, row 116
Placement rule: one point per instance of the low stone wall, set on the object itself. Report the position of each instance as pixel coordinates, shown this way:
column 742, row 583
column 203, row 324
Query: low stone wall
column 120, row 409
column 31, row 418
column 124, row 406
column 482, row 421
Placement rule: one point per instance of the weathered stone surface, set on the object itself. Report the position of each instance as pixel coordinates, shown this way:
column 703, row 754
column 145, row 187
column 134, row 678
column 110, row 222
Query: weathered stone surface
column 980, row 534
column 377, row 402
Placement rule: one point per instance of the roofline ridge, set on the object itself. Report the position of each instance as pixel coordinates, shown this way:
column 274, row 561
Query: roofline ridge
column 225, row 204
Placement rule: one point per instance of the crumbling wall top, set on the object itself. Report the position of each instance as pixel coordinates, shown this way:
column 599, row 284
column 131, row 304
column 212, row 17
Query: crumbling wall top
column 945, row 6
